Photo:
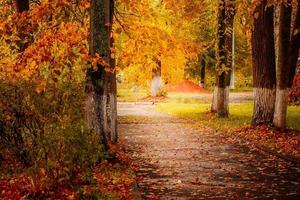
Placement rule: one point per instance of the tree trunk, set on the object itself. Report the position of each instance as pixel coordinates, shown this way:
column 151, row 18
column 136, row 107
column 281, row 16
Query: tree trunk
column 263, row 58
column 287, row 54
column 281, row 104
column 112, row 132
column 22, row 5
column 156, row 83
column 112, row 101
column 157, row 70
column 202, row 72
column 112, row 85
column 282, row 44
column 97, row 78
column 220, row 76
column 294, row 44
column 232, row 75
column 225, row 29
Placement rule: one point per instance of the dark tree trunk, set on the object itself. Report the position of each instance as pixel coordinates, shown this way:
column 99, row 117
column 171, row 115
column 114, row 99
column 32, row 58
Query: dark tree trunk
column 294, row 44
column 263, row 58
column 97, row 79
column 22, row 5
column 156, row 71
column 202, row 73
column 223, row 69
column 288, row 43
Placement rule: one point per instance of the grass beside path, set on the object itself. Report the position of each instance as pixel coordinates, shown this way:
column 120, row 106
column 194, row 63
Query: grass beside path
column 128, row 95
column 240, row 114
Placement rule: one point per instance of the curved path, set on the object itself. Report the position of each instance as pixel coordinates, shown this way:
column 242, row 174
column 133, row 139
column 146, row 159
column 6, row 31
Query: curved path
column 180, row 160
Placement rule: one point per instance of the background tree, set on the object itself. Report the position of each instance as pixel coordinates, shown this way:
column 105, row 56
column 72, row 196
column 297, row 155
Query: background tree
column 288, row 43
column 263, row 58
column 224, row 56
column 149, row 30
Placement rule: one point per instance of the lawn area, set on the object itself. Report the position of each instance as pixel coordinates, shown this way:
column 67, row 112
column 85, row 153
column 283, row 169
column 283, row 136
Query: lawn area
column 240, row 114
column 128, row 95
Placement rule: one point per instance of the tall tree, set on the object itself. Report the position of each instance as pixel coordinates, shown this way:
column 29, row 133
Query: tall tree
column 226, row 12
column 263, row 58
column 97, row 78
column 288, row 43
column 111, row 84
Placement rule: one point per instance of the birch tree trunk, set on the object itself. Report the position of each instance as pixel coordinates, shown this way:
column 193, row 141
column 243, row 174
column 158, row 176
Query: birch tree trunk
column 263, row 58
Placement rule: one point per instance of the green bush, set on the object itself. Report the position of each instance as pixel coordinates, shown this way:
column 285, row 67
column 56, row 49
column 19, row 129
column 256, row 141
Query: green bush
column 46, row 130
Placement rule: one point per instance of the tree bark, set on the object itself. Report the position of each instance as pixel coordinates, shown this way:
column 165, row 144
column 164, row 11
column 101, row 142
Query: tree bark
column 97, row 79
column 287, row 44
column 156, row 71
column 112, row 132
column 263, row 58
column 220, row 76
column 282, row 44
column 220, row 103
column 22, row 5
column 202, row 72
column 295, row 43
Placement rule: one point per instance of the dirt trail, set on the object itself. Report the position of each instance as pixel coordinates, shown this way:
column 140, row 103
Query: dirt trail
column 180, row 161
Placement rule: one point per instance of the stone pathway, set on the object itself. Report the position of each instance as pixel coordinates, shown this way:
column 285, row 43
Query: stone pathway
column 177, row 160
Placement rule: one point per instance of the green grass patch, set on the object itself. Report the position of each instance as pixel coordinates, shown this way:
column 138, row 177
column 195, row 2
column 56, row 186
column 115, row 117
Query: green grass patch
column 128, row 95
column 293, row 117
column 242, row 89
column 240, row 114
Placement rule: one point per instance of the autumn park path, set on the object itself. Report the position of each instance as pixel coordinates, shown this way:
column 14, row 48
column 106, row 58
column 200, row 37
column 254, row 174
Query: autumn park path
column 179, row 159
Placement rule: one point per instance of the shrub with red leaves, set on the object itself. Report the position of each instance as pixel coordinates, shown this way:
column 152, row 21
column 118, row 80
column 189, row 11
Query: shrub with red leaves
column 283, row 142
column 294, row 94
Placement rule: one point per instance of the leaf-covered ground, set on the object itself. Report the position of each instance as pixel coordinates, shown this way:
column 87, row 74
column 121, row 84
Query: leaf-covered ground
column 283, row 143
column 107, row 180
column 180, row 159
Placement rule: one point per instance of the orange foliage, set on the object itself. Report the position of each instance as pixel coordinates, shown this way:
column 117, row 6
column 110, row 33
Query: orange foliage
column 57, row 46
column 147, row 31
